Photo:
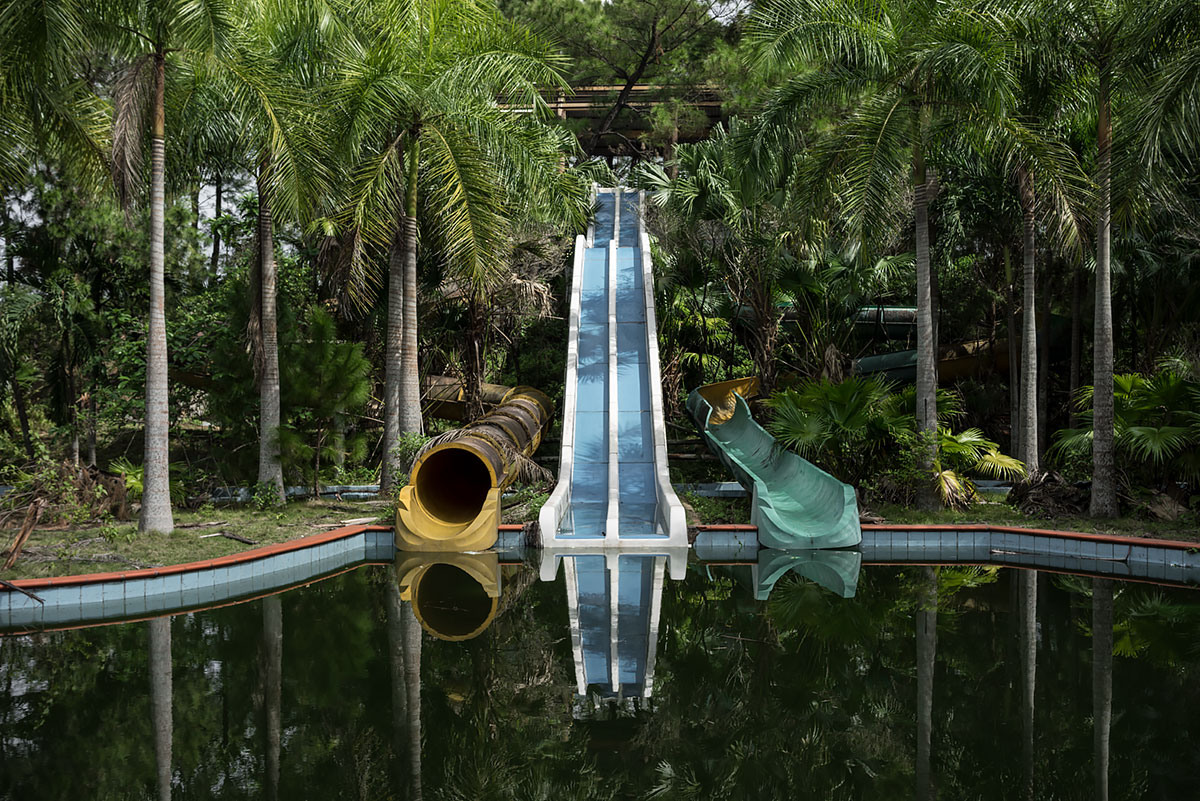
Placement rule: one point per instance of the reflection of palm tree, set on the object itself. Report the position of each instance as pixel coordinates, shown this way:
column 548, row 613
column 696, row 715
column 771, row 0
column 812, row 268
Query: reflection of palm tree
column 926, row 654
column 1102, row 647
column 160, row 701
column 1027, row 588
column 273, row 680
column 404, row 648
column 412, row 683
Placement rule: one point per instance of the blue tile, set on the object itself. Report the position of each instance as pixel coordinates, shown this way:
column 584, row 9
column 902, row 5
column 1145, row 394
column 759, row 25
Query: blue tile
column 153, row 587
column 136, row 606
column 114, row 607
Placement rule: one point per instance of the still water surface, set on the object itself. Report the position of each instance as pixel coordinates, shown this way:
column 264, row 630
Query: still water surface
column 962, row 682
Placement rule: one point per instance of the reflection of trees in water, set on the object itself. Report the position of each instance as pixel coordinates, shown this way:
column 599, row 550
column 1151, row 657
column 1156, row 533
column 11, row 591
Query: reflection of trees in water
column 807, row 696
column 404, row 658
column 160, row 702
column 1027, row 614
column 926, row 620
column 1102, row 651
column 272, row 646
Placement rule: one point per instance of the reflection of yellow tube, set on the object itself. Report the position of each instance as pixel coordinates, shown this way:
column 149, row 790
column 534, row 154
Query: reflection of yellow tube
column 453, row 595
column 452, row 501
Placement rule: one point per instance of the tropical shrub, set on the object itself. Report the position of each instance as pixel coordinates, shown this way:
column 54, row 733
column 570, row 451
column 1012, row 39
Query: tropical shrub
column 1156, row 428
column 866, row 434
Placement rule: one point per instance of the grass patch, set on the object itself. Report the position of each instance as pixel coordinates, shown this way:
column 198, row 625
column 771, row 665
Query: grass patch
column 719, row 510
column 118, row 546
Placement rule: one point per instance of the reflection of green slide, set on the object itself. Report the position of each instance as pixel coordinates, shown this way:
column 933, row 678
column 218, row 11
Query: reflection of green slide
column 795, row 504
column 836, row 571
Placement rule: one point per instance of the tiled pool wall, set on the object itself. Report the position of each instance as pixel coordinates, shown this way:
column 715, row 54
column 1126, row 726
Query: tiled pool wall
column 1117, row 557
column 149, row 593
column 84, row 600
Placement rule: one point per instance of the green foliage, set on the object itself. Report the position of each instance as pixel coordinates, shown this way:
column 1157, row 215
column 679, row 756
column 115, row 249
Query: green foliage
column 864, row 433
column 1156, row 428
column 408, row 445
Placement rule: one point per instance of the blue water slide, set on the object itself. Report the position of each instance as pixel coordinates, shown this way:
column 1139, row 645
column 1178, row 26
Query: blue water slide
column 613, row 485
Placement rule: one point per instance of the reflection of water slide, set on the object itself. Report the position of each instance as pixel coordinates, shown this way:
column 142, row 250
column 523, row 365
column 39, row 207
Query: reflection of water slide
column 613, row 484
column 614, row 601
column 794, row 503
column 836, row 571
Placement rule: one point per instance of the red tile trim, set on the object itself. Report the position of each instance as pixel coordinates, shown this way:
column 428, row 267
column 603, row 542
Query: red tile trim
column 187, row 567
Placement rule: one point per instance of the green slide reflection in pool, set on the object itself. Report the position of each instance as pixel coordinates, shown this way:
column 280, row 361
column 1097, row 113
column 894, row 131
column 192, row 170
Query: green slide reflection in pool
column 794, row 503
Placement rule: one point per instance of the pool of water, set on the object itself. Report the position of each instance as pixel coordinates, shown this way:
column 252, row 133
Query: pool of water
column 964, row 682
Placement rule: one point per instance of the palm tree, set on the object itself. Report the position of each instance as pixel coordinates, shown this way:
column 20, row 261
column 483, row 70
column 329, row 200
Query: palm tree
column 279, row 133
column 417, row 112
column 738, row 203
column 908, row 71
column 1115, row 38
column 151, row 37
column 1047, row 176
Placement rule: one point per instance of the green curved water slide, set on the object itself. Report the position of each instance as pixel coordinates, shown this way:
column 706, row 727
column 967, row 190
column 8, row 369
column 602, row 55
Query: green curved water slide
column 794, row 503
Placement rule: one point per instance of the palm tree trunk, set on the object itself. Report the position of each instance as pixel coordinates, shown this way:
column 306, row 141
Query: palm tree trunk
column 216, row 234
column 410, row 379
column 1029, row 371
column 402, row 388
column 156, row 513
column 91, row 428
column 161, row 702
column 393, row 359
column 473, row 358
column 926, row 659
column 1075, row 370
column 926, row 364
column 22, row 412
column 1102, row 645
column 1043, row 377
column 1014, row 359
column 1028, row 613
column 1104, row 482
column 270, row 468
column 272, row 690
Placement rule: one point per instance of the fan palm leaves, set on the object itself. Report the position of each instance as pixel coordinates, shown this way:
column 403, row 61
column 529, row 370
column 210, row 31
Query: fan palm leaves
column 853, row 428
column 1156, row 425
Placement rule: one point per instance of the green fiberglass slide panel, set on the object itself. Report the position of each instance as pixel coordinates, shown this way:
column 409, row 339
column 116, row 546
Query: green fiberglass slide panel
column 794, row 503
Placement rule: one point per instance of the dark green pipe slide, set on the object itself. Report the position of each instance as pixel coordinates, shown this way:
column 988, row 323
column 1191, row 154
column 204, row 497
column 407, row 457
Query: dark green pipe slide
column 794, row 503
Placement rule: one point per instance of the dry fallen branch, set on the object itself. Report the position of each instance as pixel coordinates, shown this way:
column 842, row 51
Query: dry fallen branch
column 31, row 518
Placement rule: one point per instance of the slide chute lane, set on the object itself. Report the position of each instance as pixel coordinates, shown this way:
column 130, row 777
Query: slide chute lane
column 794, row 503
column 613, row 482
